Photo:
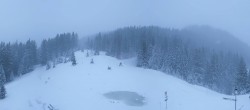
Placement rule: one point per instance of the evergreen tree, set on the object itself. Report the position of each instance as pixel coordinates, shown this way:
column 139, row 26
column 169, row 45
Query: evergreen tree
column 2, row 92
column 92, row 61
column 241, row 80
column 198, row 66
column 6, row 60
column 31, row 53
column 2, row 82
column 29, row 58
column 211, row 75
column 22, row 68
column 144, row 55
column 44, row 52
column 73, row 59
column 17, row 51
column 248, row 85
column 2, row 76
column 156, row 60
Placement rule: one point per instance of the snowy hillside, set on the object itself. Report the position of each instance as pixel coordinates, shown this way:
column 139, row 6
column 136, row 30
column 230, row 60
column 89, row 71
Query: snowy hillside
column 93, row 87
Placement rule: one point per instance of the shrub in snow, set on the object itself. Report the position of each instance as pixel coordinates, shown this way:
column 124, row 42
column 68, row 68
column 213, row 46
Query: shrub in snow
column 109, row 68
column 97, row 52
column 120, row 64
column 48, row 66
column 59, row 60
column 50, row 107
column 87, row 55
column 92, row 61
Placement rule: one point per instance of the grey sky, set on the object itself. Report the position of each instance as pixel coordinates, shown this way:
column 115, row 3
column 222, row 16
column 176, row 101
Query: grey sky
column 38, row 19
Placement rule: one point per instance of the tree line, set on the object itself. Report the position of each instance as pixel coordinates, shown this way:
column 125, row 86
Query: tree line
column 170, row 51
column 17, row 59
column 163, row 49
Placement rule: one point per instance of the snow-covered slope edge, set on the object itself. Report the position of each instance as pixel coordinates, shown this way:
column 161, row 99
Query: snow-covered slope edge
column 81, row 87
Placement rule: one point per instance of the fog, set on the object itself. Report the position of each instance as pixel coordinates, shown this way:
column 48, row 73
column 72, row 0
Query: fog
column 39, row 19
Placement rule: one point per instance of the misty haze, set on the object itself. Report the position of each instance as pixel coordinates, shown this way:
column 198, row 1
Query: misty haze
column 124, row 55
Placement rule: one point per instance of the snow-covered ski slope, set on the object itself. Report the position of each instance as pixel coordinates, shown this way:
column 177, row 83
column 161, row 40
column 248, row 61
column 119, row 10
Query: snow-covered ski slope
column 81, row 87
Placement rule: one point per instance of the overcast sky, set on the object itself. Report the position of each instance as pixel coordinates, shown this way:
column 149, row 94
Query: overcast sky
column 38, row 19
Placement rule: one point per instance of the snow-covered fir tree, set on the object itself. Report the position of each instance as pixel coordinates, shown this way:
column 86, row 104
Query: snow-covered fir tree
column 73, row 59
column 144, row 55
column 2, row 92
column 241, row 80
column 2, row 82
column 6, row 59
column 2, row 76
column 248, row 82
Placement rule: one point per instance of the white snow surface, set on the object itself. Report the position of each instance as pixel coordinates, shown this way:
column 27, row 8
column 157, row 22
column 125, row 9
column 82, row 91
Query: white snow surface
column 81, row 87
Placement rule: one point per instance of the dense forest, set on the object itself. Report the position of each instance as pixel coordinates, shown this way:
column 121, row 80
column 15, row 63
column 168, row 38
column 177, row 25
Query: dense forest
column 19, row 58
column 173, row 51
column 177, row 52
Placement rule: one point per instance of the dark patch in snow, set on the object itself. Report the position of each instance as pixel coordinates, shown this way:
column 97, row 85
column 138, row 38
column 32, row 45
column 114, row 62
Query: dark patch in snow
column 129, row 98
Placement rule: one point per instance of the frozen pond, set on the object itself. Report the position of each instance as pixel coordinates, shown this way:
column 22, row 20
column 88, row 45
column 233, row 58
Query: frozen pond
column 129, row 98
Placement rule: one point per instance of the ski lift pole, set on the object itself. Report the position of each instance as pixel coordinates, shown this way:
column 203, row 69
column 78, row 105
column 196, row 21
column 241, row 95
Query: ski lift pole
column 235, row 99
column 235, row 93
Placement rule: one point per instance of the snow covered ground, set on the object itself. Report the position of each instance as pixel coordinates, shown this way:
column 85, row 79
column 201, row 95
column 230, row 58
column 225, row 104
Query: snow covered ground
column 82, row 87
